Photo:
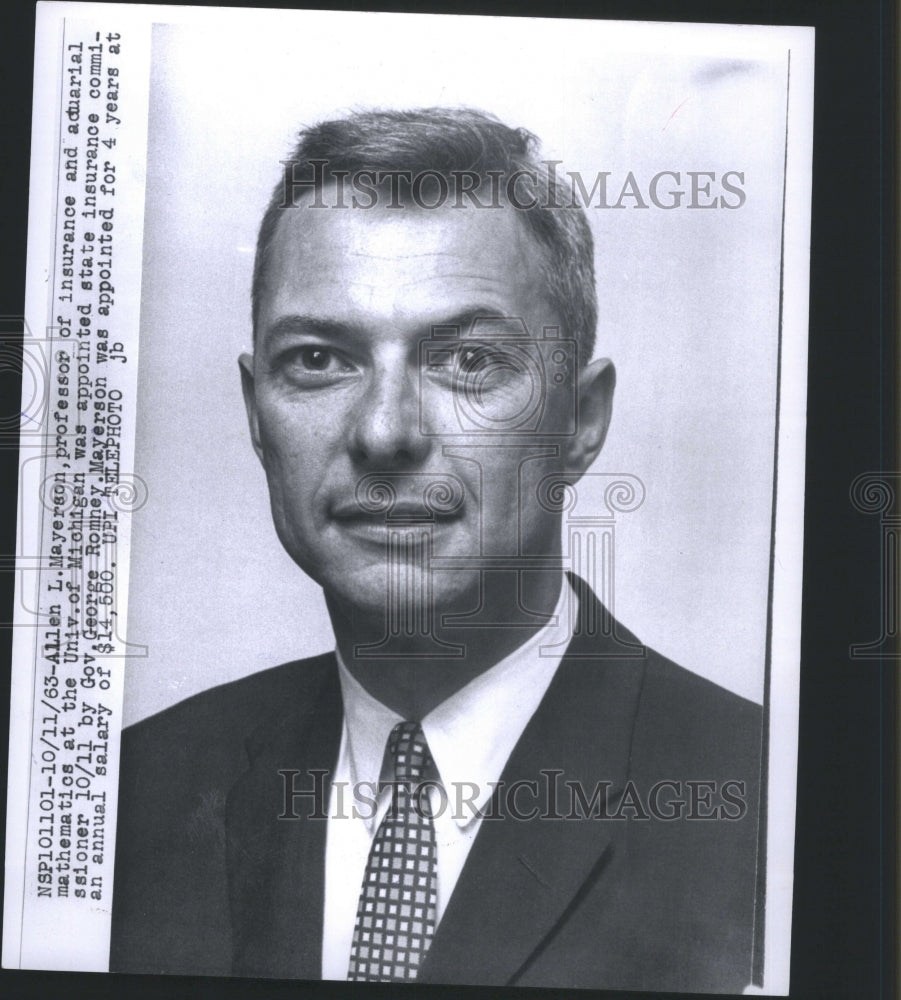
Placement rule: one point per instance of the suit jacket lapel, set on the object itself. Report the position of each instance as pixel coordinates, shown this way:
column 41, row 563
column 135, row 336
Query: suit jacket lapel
column 276, row 855
column 522, row 877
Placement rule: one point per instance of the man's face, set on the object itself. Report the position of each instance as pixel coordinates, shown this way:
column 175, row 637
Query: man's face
column 339, row 389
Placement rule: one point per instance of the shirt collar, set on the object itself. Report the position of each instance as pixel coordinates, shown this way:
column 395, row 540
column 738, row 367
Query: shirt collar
column 473, row 732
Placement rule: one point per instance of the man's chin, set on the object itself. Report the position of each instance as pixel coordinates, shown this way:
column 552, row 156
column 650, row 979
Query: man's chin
column 405, row 599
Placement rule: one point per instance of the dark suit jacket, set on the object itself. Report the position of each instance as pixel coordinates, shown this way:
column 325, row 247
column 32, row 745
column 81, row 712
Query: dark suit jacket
column 210, row 881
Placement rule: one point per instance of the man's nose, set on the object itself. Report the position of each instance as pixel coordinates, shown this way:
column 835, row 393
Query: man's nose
column 386, row 431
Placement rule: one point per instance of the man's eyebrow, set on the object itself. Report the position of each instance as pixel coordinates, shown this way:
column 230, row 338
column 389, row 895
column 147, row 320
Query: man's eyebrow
column 462, row 323
column 318, row 326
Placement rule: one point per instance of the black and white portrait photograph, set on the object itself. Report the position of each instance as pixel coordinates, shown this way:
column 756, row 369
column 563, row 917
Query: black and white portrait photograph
column 422, row 489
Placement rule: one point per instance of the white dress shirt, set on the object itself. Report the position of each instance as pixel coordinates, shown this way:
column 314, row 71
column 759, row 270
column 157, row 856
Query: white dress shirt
column 470, row 735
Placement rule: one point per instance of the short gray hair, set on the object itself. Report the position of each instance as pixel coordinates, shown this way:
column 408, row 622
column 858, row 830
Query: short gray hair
column 444, row 142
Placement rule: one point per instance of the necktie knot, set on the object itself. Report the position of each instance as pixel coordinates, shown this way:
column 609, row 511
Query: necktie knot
column 409, row 752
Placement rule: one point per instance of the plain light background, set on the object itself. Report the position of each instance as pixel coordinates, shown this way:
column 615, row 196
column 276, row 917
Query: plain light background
column 688, row 303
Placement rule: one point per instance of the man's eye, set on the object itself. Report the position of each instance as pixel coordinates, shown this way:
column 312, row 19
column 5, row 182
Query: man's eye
column 316, row 359
column 466, row 360
column 471, row 360
column 491, row 366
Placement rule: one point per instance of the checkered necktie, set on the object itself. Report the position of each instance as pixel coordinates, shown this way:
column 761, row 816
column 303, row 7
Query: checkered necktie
column 397, row 910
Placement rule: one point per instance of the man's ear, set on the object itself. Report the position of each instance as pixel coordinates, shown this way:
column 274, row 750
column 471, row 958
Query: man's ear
column 597, row 381
column 245, row 364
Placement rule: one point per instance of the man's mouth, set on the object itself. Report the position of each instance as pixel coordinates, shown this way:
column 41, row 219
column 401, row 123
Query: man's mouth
column 398, row 514
column 401, row 498
column 379, row 514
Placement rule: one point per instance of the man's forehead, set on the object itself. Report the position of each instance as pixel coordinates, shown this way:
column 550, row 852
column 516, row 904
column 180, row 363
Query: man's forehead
column 386, row 232
column 389, row 260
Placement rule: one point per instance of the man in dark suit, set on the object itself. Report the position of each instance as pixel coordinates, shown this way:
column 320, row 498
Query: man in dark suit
column 550, row 803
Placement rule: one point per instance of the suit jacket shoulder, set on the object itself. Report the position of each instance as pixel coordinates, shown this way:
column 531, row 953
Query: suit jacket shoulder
column 684, row 718
column 170, row 908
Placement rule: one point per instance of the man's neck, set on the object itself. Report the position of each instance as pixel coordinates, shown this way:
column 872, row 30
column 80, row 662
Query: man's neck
column 410, row 675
